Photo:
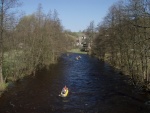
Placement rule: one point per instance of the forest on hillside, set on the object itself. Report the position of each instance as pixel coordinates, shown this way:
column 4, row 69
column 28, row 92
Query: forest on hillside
column 123, row 39
column 30, row 42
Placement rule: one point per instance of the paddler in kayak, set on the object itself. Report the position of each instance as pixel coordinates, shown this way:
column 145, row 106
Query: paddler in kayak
column 64, row 92
column 64, row 89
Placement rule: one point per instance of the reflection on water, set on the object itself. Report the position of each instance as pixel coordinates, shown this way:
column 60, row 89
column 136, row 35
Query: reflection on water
column 94, row 87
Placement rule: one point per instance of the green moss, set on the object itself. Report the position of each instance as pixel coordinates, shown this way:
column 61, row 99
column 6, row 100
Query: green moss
column 3, row 86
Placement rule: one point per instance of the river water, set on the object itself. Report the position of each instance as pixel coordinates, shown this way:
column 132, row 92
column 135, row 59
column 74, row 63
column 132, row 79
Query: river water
column 94, row 87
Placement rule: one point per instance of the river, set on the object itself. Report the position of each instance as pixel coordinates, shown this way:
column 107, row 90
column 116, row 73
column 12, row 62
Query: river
column 94, row 87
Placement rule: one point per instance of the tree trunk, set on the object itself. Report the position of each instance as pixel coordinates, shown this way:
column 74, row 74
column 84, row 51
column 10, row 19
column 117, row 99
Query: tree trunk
column 1, row 43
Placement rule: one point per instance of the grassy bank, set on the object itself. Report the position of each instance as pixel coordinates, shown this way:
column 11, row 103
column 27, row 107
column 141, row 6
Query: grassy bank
column 77, row 51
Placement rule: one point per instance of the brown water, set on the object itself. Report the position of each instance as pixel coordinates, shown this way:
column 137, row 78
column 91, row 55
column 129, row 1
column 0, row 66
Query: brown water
column 94, row 87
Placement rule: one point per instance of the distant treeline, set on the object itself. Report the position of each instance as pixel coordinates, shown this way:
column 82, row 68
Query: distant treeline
column 29, row 43
column 123, row 39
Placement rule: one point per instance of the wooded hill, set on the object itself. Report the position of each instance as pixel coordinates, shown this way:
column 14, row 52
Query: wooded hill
column 123, row 40
column 29, row 43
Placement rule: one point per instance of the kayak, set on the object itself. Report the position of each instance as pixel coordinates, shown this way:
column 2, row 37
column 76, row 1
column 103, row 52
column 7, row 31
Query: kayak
column 64, row 94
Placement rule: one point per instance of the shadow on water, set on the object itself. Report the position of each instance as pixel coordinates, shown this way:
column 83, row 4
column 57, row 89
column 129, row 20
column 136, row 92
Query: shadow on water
column 94, row 87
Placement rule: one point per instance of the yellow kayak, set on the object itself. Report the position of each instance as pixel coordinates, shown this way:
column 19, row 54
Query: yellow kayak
column 64, row 94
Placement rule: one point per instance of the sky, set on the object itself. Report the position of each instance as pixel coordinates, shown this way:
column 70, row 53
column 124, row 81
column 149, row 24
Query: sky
column 75, row 15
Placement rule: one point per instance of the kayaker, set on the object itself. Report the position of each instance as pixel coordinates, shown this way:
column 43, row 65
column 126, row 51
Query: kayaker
column 64, row 92
column 64, row 89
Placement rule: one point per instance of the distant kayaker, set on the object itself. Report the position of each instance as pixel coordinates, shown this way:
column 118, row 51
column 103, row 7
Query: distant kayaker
column 77, row 58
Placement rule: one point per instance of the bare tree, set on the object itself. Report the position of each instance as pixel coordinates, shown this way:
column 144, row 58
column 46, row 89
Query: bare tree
column 124, row 35
column 5, row 7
